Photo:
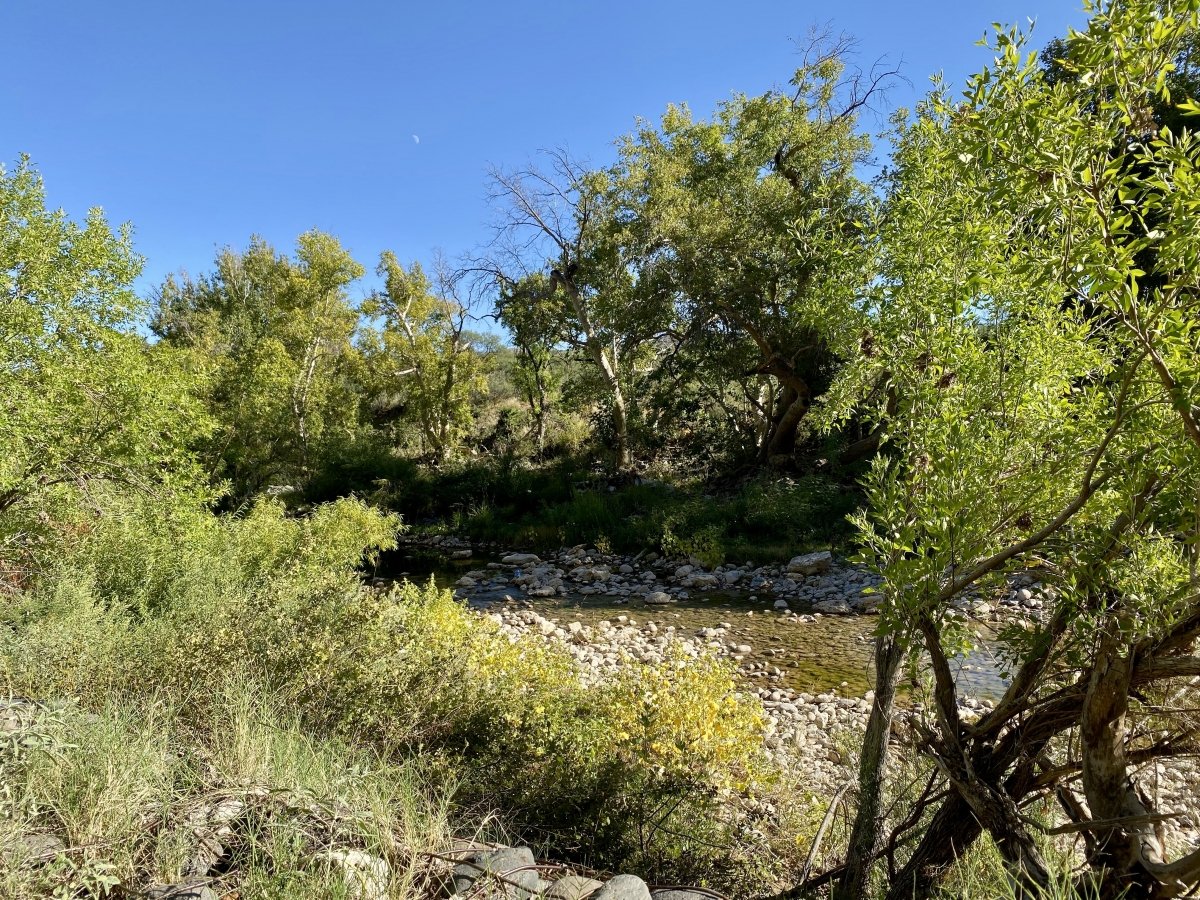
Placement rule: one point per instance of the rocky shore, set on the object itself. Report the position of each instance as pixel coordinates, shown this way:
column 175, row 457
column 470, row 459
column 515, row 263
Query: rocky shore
column 809, row 728
column 812, row 582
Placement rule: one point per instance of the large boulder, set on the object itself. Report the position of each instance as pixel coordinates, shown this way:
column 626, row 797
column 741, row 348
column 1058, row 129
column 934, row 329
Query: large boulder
column 811, row 563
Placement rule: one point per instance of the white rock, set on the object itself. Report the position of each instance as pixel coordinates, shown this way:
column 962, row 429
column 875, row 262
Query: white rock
column 366, row 875
column 812, row 563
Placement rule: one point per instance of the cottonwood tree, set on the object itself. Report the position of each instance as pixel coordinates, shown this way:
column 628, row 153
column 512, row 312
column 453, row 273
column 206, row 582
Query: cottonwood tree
column 420, row 359
column 84, row 400
column 559, row 263
column 1037, row 319
column 755, row 221
column 272, row 337
column 537, row 339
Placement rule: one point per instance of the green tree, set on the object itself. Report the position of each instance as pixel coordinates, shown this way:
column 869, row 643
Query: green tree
column 420, row 357
column 562, row 271
column 753, row 221
column 1024, row 431
column 536, row 337
column 83, row 399
column 273, row 339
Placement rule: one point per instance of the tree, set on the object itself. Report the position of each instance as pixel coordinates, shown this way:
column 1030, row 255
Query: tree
column 1025, row 431
column 558, row 263
column 421, row 357
column 537, row 339
column 83, row 400
column 273, row 339
column 754, row 221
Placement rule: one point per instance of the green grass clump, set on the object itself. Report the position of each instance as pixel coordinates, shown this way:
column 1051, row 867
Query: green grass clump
column 123, row 790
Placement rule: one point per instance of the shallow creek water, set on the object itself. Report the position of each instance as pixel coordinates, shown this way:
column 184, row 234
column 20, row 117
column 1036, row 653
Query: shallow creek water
column 831, row 653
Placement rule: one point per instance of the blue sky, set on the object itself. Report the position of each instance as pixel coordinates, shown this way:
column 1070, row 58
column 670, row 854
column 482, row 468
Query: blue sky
column 205, row 122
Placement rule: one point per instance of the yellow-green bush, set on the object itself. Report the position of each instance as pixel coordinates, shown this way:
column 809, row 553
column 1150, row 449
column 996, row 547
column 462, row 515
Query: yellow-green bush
column 624, row 773
column 645, row 771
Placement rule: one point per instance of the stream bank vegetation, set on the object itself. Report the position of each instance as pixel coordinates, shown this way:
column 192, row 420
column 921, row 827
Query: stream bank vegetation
column 998, row 343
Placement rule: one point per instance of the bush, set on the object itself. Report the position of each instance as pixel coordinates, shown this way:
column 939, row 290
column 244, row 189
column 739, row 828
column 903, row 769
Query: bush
column 163, row 611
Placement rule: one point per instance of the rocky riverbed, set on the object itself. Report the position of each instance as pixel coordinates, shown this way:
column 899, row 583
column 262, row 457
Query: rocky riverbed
column 806, row 626
column 800, row 634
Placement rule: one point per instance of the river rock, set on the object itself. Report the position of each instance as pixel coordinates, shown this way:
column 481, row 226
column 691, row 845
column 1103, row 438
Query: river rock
column 33, row 849
column 520, row 559
column 513, row 863
column 659, row 598
column 623, row 887
column 832, row 607
column 811, row 563
column 366, row 876
column 573, row 887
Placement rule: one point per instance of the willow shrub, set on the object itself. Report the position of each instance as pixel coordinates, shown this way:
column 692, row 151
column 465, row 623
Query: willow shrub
column 647, row 770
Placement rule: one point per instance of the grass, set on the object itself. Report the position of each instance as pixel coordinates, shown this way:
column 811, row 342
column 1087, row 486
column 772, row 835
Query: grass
column 124, row 790
column 194, row 660
column 767, row 519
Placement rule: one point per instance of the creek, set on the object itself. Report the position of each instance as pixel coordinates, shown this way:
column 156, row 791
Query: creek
column 808, row 655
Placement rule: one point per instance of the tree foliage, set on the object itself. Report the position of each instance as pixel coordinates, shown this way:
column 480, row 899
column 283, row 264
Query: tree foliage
column 83, row 399
column 420, row 358
column 754, row 224
column 272, row 339
column 1035, row 322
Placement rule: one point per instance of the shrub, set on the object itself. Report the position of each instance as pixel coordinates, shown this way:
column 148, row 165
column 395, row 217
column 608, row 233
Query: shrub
column 646, row 771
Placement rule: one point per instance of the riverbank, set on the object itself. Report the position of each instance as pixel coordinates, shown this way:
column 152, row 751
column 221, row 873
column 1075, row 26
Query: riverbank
column 609, row 611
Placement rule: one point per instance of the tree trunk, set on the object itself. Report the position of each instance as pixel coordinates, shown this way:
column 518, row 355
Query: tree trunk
column 793, row 407
column 620, row 426
column 539, row 412
column 1123, row 854
column 950, row 832
column 620, row 417
column 866, row 838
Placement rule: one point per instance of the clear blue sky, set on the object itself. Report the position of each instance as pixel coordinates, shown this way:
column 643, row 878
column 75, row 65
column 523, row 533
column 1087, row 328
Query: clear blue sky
column 205, row 122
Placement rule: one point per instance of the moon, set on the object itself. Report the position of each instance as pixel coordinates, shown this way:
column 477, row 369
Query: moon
column 416, row 138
